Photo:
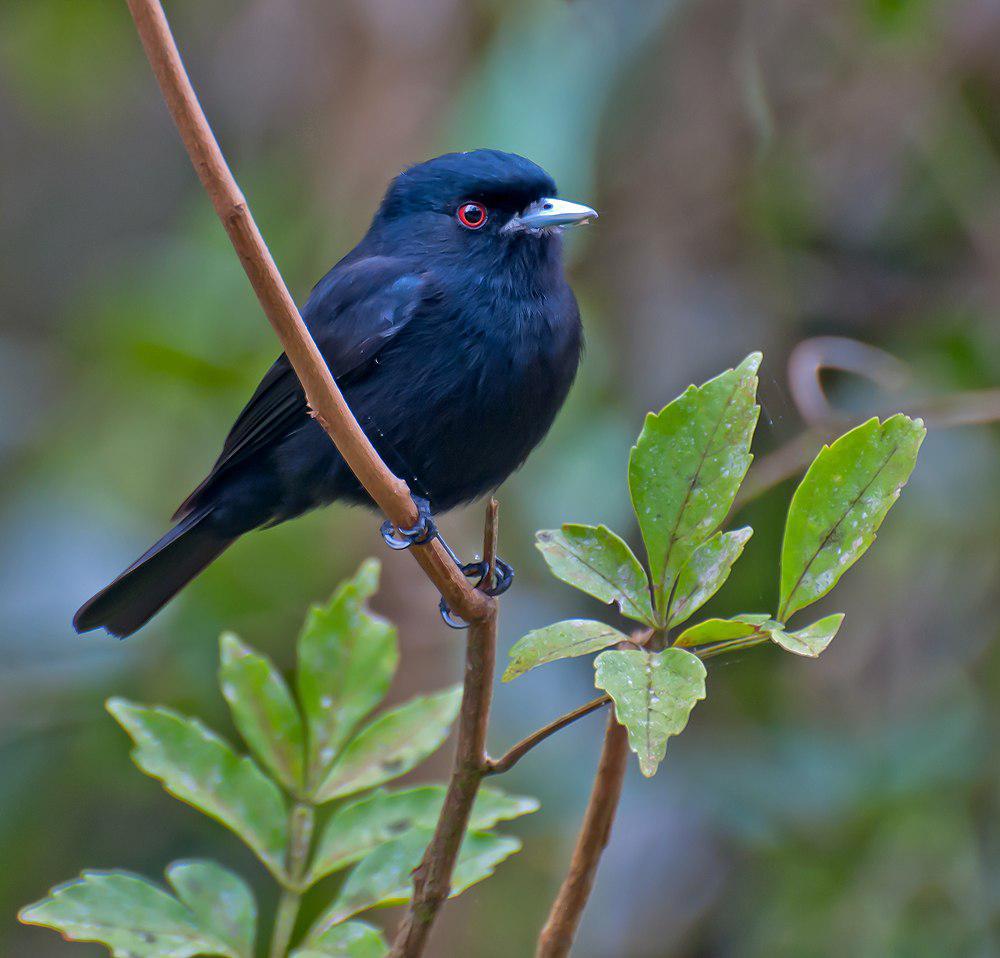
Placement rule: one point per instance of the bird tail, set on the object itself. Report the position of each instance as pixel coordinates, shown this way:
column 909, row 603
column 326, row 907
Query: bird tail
column 154, row 578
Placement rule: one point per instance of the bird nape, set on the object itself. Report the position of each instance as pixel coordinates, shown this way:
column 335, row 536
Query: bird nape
column 454, row 336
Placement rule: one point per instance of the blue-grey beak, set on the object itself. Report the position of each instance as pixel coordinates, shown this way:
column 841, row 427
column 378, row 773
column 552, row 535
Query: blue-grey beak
column 549, row 212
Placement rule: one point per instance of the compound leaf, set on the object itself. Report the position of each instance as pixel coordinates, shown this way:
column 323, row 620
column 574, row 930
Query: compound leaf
column 221, row 900
column 706, row 572
column 385, row 876
column 600, row 563
column 654, row 693
column 198, row 767
column 359, row 827
column 133, row 917
column 347, row 657
column 687, row 466
column 811, row 640
column 351, row 939
column 726, row 630
column 263, row 710
column 839, row 505
column 560, row 640
column 392, row 744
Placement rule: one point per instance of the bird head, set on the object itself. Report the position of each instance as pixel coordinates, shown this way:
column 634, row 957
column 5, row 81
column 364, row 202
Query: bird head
column 474, row 204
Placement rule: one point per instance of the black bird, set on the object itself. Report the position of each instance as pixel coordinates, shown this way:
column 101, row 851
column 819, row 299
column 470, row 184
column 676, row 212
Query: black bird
column 455, row 338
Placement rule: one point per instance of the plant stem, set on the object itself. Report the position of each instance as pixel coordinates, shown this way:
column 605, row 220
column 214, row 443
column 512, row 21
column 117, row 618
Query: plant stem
column 514, row 754
column 564, row 917
column 432, row 877
column 284, row 923
column 300, row 828
column 324, row 398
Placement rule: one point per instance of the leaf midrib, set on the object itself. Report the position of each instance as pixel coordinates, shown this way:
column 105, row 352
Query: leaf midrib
column 690, row 490
column 805, row 569
column 649, row 706
column 623, row 594
column 609, row 632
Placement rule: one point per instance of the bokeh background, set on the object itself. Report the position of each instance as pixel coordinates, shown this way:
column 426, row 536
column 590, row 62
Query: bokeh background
column 766, row 172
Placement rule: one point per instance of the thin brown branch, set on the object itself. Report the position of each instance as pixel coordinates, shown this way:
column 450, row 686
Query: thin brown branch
column 432, row 877
column 514, row 754
column 811, row 357
column 805, row 367
column 557, row 936
column 325, row 400
column 490, row 533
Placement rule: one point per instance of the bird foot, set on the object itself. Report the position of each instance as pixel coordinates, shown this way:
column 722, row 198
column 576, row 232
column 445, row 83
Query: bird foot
column 502, row 575
column 420, row 533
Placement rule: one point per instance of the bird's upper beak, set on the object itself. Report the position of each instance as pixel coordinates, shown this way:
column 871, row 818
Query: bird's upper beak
column 549, row 212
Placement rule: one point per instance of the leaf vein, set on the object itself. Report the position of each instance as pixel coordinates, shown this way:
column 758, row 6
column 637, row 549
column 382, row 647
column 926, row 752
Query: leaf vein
column 623, row 597
column 690, row 490
column 833, row 529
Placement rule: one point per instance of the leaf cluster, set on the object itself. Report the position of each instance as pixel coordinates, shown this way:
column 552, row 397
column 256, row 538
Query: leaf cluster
column 314, row 752
column 683, row 475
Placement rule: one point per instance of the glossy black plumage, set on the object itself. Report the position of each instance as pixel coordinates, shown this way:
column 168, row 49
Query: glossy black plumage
column 454, row 348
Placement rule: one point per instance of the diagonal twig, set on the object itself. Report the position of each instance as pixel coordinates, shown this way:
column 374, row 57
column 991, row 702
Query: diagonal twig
column 389, row 492
column 326, row 402
column 515, row 753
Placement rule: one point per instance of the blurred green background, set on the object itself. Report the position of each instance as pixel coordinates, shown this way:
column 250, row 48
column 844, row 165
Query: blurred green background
column 765, row 172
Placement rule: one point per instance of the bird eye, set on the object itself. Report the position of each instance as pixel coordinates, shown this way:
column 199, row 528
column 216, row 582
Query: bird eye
column 472, row 216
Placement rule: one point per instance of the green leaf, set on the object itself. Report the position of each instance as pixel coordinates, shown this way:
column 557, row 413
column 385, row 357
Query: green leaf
column 560, row 640
column 132, row 916
column 263, row 710
column 598, row 562
column 686, row 468
column 653, row 693
column 840, row 504
column 221, row 900
column 811, row 640
column 714, row 636
column 347, row 657
column 358, row 828
column 480, row 854
column 352, row 939
column 726, row 630
column 385, row 876
column 706, row 572
column 198, row 767
column 392, row 744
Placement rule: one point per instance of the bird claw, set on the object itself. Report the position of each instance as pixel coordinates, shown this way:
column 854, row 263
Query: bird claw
column 450, row 619
column 503, row 577
column 420, row 533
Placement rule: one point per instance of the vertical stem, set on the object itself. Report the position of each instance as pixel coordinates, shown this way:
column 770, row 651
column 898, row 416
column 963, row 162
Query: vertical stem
column 490, row 534
column 284, row 923
column 564, row 918
column 432, row 877
column 300, row 826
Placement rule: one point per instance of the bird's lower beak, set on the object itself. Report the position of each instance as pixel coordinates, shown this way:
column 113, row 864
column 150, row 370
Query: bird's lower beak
column 549, row 212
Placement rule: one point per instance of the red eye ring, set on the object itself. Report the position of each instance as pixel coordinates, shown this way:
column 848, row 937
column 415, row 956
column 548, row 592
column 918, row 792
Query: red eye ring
column 472, row 215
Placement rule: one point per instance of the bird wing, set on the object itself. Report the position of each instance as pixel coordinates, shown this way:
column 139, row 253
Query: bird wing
column 352, row 313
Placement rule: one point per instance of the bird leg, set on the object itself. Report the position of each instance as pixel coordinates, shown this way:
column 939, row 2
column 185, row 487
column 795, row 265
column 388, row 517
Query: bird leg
column 425, row 529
